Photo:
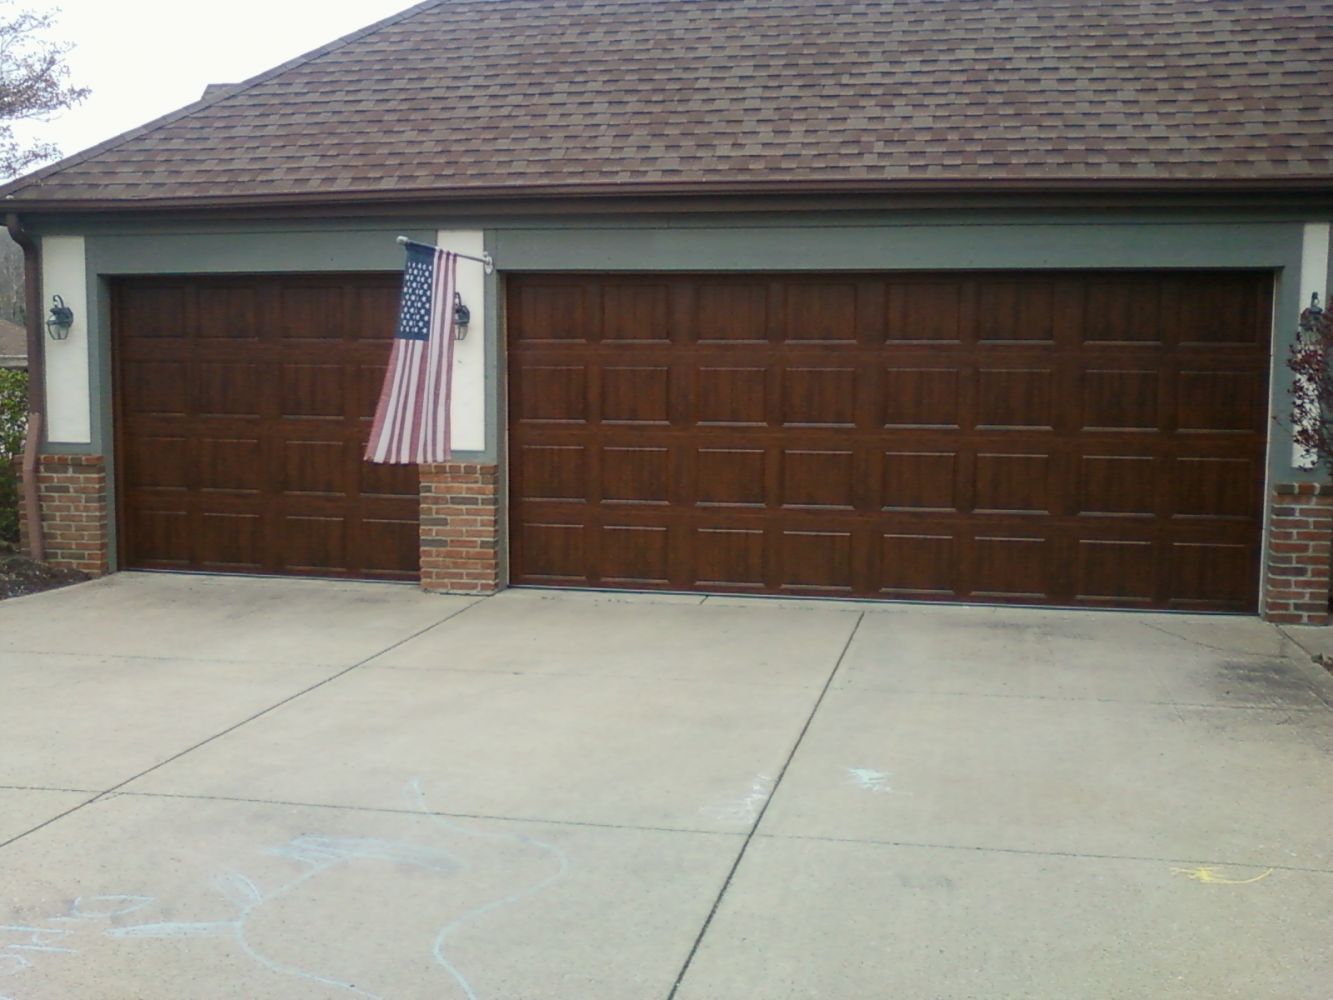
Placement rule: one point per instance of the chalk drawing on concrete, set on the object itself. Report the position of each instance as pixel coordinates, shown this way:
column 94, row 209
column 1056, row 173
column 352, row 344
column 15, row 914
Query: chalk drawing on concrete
column 21, row 946
column 105, row 907
column 318, row 854
column 418, row 798
column 868, row 779
column 1211, row 876
column 744, row 810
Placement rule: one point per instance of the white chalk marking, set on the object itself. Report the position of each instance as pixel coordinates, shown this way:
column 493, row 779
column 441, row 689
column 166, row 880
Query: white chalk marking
column 744, row 810
column 319, row 854
column 176, row 929
column 24, row 929
column 239, row 889
column 38, row 938
column 416, row 795
column 12, row 965
column 121, row 906
column 869, row 780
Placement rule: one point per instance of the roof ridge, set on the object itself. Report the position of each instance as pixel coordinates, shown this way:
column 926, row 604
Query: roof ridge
column 34, row 179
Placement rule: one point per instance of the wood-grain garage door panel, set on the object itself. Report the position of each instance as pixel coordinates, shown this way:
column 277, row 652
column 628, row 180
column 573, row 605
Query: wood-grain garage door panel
column 243, row 406
column 1047, row 438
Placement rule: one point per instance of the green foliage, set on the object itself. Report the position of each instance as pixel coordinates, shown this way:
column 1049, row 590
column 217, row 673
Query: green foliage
column 13, row 411
column 13, row 420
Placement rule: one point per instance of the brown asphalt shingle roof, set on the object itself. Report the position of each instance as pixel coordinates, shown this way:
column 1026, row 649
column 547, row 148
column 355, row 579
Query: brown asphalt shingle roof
column 458, row 96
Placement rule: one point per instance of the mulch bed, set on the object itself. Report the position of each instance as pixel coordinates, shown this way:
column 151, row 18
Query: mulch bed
column 20, row 575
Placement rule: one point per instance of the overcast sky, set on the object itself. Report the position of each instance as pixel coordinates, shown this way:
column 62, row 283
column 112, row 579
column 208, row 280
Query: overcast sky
column 144, row 58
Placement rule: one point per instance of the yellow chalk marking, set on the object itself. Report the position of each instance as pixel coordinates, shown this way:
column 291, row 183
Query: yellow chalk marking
column 1211, row 877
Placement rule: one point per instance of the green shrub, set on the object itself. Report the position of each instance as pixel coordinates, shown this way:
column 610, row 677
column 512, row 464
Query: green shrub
column 13, row 421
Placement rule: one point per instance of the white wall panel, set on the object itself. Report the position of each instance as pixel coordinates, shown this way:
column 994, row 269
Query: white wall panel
column 468, row 412
column 68, row 404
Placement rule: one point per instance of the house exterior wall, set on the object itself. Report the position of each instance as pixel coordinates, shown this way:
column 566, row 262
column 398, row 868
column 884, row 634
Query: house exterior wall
column 460, row 528
column 68, row 367
column 468, row 411
column 73, row 497
column 1296, row 577
column 1286, row 244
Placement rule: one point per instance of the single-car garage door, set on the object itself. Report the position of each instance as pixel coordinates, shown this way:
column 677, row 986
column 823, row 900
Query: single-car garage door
column 243, row 405
column 1040, row 438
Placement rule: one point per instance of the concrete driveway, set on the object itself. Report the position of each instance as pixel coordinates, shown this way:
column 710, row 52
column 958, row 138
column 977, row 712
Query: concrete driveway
column 283, row 789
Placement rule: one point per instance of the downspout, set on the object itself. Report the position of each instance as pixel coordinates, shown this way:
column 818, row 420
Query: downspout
column 32, row 289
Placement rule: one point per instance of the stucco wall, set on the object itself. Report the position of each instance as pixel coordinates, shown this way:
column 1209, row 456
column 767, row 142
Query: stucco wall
column 69, row 388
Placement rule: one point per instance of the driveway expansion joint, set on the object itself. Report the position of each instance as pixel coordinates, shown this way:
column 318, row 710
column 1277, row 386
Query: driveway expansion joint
column 235, row 726
column 1323, row 685
column 399, row 811
column 1236, row 706
column 754, row 827
column 1039, row 853
column 1230, row 650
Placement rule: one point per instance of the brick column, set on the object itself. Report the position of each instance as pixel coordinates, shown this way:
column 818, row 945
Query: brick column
column 460, row 528
column 1296, row 577
column 72, row 495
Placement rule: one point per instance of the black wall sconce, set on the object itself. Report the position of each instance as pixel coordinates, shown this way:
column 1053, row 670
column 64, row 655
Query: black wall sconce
column 62, row 318
column 1310, row 317
column 462, row 317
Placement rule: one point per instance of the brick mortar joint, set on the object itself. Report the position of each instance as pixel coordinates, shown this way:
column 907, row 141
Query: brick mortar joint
column 1303, row 489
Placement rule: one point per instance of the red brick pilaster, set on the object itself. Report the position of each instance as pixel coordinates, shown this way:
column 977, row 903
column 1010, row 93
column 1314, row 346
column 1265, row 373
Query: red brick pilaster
column 1296, row 577
column 460, row 528
column 72, row 495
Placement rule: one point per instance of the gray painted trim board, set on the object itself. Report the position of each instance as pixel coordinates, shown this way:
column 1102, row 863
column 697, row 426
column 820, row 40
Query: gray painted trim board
column 891, row 247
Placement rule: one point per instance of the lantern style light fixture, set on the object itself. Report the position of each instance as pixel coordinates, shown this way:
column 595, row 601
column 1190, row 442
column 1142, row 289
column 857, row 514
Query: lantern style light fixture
column 1310, row 317
column 62, row 318
column 462, row 317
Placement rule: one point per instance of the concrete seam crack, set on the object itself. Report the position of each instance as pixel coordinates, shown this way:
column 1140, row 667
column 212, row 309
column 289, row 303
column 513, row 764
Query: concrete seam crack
column 754, row 827
column 106, row 793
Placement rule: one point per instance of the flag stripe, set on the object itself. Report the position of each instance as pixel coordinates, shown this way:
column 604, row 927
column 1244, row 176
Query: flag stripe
column 411, row 422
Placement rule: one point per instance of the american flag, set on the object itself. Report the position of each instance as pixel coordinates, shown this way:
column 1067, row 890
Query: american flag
column 412, row 418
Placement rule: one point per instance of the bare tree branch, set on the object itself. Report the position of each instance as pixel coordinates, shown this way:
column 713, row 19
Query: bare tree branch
column 34, row 82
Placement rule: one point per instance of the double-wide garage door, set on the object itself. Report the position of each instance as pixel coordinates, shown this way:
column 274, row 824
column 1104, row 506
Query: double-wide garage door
column 1045, row 438
column 243, row 406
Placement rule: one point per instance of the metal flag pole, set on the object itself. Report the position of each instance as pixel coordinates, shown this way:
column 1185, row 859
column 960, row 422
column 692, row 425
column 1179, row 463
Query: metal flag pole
column 485, row 259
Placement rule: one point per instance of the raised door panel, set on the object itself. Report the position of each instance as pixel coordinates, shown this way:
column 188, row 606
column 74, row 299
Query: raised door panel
column 731, row 313
column 736, row 397
column 819, row 397
column 918, row 566
column 730, row 558
column 1116, row 571
column 636, row 395
column 636, row 313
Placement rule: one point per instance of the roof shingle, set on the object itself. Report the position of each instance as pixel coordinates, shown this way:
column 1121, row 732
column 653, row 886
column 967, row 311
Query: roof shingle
column 456, row 96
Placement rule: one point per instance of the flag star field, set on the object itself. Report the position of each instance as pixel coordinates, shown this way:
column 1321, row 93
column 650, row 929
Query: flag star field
column 413, row 320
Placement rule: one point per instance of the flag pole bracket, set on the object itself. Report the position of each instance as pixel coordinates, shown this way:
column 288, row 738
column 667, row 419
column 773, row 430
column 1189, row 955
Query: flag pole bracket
column 485, row 260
